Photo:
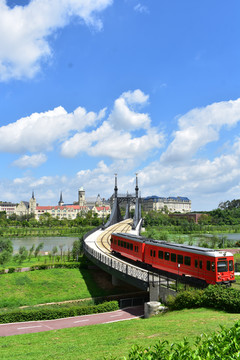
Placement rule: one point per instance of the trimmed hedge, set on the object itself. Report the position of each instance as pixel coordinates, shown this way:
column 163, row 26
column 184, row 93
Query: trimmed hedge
column 214, row 296
column 39, row 313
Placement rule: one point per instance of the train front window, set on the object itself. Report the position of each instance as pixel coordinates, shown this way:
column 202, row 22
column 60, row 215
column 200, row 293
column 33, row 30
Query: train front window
column 222, row 266
column 230, row 265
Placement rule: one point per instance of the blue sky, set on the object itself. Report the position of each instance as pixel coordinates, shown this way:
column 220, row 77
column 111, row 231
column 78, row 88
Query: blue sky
column 89, row 88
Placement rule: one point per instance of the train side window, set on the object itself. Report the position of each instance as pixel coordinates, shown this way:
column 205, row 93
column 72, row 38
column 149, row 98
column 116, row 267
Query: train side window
column 166, row 255
column 119, row 243
column 187, row 260
column 208, row 265
column 124, row 244
column 200, row 264
column 213, row 266
column 196, row 263
column 150, row 252
column 127, row 245
column 230, row 265
column 154, row 253
column 173, row 257
column 160, row 254
column 131, row 246
column 180, row 259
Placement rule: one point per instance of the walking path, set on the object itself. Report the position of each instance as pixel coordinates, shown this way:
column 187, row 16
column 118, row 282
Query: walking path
column 76, row 321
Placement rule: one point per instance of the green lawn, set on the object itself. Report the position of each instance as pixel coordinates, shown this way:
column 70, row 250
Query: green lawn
column 96, row 341
column 44, row 286
column 39, row 260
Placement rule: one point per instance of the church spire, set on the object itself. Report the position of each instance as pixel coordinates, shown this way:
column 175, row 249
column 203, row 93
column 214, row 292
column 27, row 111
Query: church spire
column 61, row 202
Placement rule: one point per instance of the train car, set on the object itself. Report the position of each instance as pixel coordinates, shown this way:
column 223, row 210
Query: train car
column 131, row 247
column 208, row 266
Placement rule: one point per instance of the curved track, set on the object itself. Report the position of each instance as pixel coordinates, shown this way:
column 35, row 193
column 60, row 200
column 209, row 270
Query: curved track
column 103, row 241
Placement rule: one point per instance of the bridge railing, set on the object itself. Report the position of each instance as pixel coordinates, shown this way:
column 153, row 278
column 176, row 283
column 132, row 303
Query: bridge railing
column 127, row 269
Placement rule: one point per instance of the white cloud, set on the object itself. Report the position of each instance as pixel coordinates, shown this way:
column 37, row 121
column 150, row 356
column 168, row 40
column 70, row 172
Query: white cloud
column 39, row 131
column 135, row 97
column 24, row 31
column 199, row 127
column 33, row 161
column 141, row 8
column 125, row 117
column 114, row 137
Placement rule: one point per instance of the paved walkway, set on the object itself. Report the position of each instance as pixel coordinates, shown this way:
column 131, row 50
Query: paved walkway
column 76, row 321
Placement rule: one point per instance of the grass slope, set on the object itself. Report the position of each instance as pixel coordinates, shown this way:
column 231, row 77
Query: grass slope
column 99, row 341
column 44, row 286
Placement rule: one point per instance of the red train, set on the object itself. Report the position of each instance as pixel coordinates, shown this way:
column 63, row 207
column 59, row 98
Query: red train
column 201, row 264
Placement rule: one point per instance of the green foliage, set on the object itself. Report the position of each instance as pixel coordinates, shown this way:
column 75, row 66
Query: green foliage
column 214, row 296
column 222, row 345
column 55, row 313
column 6, row 250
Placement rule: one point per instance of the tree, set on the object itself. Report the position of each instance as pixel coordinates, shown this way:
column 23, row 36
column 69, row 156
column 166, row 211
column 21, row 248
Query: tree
column 22, row 255
column 38, row 248
column 6, row 250
column 31, row 250
column 77, row 248
column 54, row 251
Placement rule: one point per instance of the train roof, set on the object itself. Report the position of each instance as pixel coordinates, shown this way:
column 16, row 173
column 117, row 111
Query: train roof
column 183, row 247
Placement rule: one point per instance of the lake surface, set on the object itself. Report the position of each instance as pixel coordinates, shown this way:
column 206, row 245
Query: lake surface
column 49, row 242
column 232, row 236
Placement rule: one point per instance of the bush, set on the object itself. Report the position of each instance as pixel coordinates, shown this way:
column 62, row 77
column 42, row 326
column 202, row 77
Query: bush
column 214, row 296
column 20, row 315
column 11, row 270
column 222, row 345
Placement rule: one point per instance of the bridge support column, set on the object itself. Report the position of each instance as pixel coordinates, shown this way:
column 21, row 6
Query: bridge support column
column 153, row 292
column 161, row 293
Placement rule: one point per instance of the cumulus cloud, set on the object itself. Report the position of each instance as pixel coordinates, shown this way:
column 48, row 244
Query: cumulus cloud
column 114, row 137
column 25, row 31
column 201, row 126
column 33, row 161
column 39, row 131
column 124, row 116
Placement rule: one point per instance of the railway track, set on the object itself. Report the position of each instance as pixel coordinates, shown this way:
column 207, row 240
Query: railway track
column 103, row 241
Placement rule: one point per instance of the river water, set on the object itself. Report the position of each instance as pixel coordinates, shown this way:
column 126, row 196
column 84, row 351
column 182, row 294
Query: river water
column 49, row 243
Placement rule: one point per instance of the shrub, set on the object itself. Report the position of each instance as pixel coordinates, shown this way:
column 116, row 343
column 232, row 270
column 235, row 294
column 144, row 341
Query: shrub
column 11, row 270
column 214, row 296
column 20, row 315
column 221, row 345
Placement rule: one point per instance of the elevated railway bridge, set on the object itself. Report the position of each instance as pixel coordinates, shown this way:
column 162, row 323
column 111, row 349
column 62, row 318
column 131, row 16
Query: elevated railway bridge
column 97, row 249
